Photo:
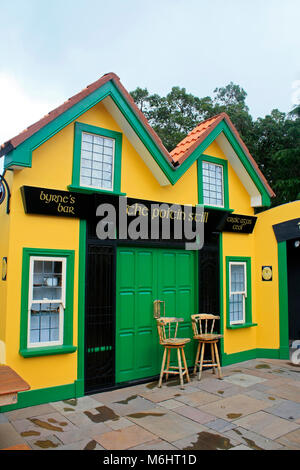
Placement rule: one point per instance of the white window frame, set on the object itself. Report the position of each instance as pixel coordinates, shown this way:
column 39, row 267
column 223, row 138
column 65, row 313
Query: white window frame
column 223, row 189
column 61, row 301
column 243, row 293
column 113, row 163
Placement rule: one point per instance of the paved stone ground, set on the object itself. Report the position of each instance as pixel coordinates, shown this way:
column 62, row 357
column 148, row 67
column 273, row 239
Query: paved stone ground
column 255, row 407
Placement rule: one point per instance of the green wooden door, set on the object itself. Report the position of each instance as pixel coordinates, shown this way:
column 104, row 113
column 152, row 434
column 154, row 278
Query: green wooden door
column 144, row 275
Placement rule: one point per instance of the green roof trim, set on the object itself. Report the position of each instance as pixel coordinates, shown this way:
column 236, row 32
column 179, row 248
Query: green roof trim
column 21, row 156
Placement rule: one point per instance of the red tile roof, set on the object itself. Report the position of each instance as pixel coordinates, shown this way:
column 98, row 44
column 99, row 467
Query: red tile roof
column 192, row 140
column 25, row 134
column 177, row 156
column 186, row 147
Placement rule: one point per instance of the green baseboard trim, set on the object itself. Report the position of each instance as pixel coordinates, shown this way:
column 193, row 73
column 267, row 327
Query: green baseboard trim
column 41, row 396
column 284, row 353
column 259, row 353
column 79, row 388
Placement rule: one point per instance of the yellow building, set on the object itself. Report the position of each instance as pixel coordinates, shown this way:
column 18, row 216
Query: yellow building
column 85, row 251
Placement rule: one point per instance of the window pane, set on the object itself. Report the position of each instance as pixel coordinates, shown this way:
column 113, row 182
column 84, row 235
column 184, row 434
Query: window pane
column 47, row 280
column 212, row 184
column 236, row 308
column 44, row 323
column 237, row 278
column 95, row 151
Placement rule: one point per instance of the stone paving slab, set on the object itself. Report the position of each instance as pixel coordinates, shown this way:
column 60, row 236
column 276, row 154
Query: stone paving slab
column 291, row 439
column 168, row 426
column 244, row 380
column 170, row 404
column 133, row 404
column 198, row 398
column 85, row 444
column 194, row 414
column 49, row 442
column 287, row 392
column 30, row 412
column 75, row 404
column 9, row 436
column 124, row 438
column 155, row 445
column 234, row 407
column 286, row 409
column 262, row 395
column 220, row 425
column 42, row 426
column 206, row 439
column 252, row 440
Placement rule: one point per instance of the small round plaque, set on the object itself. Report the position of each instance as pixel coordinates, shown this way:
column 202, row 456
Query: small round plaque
column 266, row 273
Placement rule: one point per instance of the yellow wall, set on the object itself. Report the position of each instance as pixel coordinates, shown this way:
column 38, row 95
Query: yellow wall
column 266, row 254
column 4, row 245
column 52, row 168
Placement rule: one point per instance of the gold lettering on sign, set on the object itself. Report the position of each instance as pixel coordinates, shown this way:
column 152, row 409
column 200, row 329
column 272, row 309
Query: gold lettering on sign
column 239, row 222
column 64, row 204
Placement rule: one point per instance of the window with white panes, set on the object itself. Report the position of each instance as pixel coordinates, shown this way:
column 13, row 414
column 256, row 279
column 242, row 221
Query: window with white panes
column 213, row 184
column 238, row 292
column 47, row 293
column 97, row 161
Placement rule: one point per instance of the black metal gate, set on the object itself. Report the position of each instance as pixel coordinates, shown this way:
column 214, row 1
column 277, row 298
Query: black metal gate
column 293, row 267
column 100, row 318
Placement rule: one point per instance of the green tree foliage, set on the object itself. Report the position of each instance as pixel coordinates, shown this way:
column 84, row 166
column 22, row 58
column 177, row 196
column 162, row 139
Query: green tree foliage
column 274, row 141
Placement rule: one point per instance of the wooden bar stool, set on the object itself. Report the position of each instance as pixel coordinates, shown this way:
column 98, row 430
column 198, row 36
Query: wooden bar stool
column 205, row 336
column 168, row 339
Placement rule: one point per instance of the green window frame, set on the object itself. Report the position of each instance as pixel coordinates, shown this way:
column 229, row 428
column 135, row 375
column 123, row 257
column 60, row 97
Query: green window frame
column 248, row 298
column 67, row 334
column 80, row 128
column 224, row 165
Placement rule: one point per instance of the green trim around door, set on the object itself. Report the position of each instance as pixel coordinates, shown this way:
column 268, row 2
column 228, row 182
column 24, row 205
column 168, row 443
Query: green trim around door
column 81, row 308
column 283, row 301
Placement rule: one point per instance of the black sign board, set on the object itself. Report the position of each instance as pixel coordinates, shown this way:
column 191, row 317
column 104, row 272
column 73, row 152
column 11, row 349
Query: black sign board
column 287, row 230
column 46, row 201
column 239, row 223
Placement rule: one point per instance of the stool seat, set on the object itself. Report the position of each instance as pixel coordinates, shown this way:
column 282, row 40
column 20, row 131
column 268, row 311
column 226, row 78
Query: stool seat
column 168, row 339
column 175, row 342
column 206, row 337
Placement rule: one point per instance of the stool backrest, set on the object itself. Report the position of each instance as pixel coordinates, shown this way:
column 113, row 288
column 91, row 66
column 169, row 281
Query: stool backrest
column 165, row 328
column 203, row 323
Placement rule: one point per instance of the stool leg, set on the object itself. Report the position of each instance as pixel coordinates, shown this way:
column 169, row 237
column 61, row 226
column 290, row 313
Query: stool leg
column 168, row 363
column 197, row 358
column 201, row 360
column 180, row 368
column 218, row 361
column 162, row 368
column 185, row 365
column 213, row 357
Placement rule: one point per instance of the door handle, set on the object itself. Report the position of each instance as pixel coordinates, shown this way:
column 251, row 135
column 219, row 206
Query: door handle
column 157, row 309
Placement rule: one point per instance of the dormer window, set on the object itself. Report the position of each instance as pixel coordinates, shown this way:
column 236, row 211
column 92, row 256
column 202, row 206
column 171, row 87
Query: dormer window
column 97, row 161
column 213, row 184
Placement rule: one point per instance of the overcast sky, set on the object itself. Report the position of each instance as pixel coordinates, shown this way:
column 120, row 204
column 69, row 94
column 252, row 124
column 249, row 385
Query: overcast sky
column 50, row 50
